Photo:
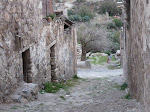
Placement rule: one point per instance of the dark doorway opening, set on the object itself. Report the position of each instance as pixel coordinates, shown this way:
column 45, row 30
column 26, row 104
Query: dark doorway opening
column 26, row 66
column 53, row 63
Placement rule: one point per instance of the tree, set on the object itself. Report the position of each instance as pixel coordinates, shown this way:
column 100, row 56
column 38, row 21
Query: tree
column 109, row 6
column 81, row 14
column 92, row 38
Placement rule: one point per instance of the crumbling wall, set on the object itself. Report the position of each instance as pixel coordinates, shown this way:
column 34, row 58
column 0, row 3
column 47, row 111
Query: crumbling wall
column 20, row 20
column 137, row 50
column 22, row 28
column 66, row 58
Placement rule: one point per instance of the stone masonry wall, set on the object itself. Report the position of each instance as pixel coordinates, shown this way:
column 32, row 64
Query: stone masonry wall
column 20, row 20
column 66, row 59
column 22, row 28
column 137, row 50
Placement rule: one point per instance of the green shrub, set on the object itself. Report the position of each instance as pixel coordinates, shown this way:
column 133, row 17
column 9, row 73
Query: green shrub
column 110, row 7
column 79, row 1
column 114, row 37
column 82, row 14
column 98, row 25
column 111, row 26
column 76, row 77
column 128, row 97
column 52, row 87
column 85, row 18
column 71, row 12
column 107, row 52
column 75, row 18
column 62, row 97
column 118, row 23
column 51, row 15
column 78, row 18
column 124, row 86
column 85, row 11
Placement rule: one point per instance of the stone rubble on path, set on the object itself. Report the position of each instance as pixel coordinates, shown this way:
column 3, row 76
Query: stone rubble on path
column 96, row 94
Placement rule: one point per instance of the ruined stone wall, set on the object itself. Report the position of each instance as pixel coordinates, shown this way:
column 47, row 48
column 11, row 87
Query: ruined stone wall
column 137, row 51
column 22, row 29
column 20, row 20
column 66, row 59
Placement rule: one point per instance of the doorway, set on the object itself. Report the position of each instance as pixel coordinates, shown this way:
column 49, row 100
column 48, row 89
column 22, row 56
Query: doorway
column 26, row 66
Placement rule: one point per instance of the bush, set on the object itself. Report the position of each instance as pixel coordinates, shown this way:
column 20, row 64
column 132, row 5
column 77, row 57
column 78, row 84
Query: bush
column 52, row 16
column 52, row 87
column 79, row 18
column 114, row 36
column 118, row 23
column 85, row 18
column 82, row 14
column 111, row 26
column 75, row 18
column 85, row 11
column 98, row 25
column 110, row 7
column 124, row 86
column 107, row 52
column 79, row 1
column 71, row 12
column 76, row 77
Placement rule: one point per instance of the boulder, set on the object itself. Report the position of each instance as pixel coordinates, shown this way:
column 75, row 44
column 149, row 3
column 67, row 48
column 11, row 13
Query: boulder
column 118, row 53
column 84, row 64
column 16, row 98
column 26, row 92
column 98, row 54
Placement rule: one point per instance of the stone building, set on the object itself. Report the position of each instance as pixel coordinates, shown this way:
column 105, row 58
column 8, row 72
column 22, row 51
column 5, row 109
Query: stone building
column 33, row 50
column 136, row 49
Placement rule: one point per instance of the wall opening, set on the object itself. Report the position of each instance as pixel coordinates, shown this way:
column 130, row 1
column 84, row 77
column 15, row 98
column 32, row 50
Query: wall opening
column 66, row 26
column 26, row 66
column 53, row 63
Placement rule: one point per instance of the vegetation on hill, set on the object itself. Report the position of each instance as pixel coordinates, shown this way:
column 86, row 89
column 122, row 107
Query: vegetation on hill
column 109, row 6
column 93, row 35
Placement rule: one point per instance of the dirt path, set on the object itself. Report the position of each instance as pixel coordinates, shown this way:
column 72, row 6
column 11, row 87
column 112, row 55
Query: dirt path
column 96, row 93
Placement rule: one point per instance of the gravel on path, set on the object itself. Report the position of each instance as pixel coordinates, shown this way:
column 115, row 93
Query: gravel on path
column 97, row 91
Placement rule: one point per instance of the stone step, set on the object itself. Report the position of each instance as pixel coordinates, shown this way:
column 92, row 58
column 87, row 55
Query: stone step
column 26, row 92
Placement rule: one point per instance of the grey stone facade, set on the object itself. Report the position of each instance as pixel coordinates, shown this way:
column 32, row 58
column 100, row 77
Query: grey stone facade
column 31, row 49
column 136, row 50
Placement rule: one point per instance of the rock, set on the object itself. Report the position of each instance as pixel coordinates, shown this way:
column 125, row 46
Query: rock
column 84, row 64
column 118, row 52
column 88, row 64
column 103, row 54
column 27, row 92
column 88, row 54
column 55, row 81
column 61, row 91
column 98, row 54
column 23, row 100
column 16, row 98
column 114, row 65
column 25, row 28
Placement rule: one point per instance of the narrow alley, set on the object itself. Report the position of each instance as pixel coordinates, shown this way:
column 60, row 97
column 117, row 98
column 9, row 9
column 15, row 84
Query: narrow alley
column 74, row 55
column 99, row 93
